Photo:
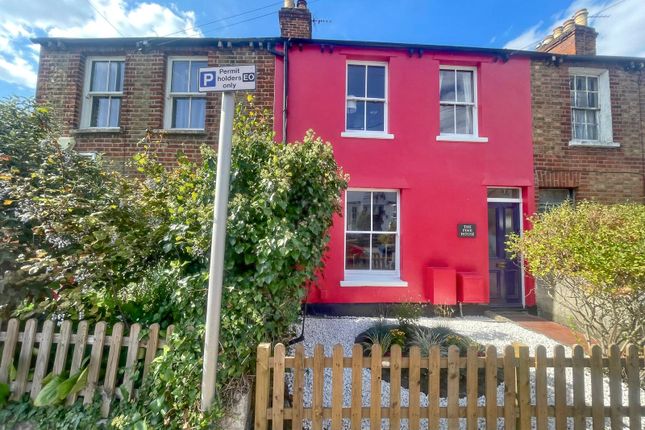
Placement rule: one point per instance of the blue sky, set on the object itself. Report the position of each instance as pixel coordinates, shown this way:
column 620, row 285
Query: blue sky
column 484, row 23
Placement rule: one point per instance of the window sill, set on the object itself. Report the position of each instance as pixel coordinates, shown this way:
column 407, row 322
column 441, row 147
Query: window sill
column 374, row 283
column 593, row 144
column 367, row 135
column 197, row 131
column 461, row 138
column 97, row 130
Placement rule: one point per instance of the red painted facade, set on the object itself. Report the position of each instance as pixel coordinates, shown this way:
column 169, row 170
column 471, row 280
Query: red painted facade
column 441, row 183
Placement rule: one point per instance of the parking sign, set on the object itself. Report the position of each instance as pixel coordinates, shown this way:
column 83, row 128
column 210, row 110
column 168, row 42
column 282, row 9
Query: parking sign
column 227, row 78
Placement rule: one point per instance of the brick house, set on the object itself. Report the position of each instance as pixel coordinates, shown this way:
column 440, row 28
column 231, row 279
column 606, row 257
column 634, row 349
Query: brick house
column 533, row 147
column 587, row 119
column 588, row 125
column 107, row 93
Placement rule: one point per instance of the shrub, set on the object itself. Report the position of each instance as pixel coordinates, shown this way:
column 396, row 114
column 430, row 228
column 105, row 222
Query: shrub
column 591, row 258
column 136, row 249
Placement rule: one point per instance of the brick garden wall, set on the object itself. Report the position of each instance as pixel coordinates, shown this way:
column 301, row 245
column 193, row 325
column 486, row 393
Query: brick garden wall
column 608, row 175
column 60, row 85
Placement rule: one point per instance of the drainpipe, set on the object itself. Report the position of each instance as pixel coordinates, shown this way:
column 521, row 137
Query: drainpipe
column 285, row 84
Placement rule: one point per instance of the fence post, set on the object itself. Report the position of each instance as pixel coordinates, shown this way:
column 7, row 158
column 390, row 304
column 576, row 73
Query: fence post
column 262, row 381
column 298, row 386
column 524, row 388
column 615, row 389
column 357, row 386
column 510, row 397
column 453, row 387
column 633, row 381
column 560, row 389
column 44, row 348
column 375, row 386
column 9, row 350
column 578, row 373
column 414, row 375
column 541, row 400
column 337, row 387
column 24, row 359
column 277, row 399
column 491, row 387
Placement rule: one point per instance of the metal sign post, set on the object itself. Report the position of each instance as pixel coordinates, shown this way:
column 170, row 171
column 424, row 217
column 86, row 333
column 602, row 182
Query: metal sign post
column 226, row 80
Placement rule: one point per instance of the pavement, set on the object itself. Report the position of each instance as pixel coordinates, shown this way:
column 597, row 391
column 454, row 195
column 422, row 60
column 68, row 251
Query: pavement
column 550, row 329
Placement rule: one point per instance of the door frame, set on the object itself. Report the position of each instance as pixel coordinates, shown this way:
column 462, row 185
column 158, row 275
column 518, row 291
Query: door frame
column 517, row 200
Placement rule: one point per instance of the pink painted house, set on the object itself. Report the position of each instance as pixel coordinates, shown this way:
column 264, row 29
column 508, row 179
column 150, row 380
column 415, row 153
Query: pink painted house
column 437, row 143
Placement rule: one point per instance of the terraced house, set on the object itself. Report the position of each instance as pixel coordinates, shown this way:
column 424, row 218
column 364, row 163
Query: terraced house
column 449, row 149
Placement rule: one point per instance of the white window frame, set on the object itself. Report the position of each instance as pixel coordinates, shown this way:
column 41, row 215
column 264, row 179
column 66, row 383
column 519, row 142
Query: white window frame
column 474, row 137
column 517, row 200
column 169, row 96
column 605, row 129
column 368, row 133
column 374, row 278
column 86, row 109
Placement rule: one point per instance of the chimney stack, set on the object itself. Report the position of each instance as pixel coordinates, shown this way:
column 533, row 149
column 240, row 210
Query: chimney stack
column 573, row 37
column 295, row 20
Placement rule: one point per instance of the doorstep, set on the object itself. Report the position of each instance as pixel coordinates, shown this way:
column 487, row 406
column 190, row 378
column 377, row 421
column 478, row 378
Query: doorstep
column 550, row 329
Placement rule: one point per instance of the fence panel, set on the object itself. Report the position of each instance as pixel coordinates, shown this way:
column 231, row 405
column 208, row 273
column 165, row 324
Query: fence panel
column 451, row 379
column 28, row 356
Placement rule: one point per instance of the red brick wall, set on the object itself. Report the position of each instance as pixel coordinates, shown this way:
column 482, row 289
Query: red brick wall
column 607, row 175
column 579, row 41
column 60, row 85
column 295, row 22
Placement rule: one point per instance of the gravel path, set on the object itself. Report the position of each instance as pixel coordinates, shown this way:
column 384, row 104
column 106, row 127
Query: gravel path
column 331, row 331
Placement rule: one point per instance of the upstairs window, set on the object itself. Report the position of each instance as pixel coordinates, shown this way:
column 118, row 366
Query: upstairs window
column 186, row 106
column 585, row 107
column 458, row 101
column 103, row 93
column 590, row 107
column 366, row 101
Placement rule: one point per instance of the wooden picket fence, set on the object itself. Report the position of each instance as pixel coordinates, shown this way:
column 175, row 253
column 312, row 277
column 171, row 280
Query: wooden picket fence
column 523, row 376
column 24, row 367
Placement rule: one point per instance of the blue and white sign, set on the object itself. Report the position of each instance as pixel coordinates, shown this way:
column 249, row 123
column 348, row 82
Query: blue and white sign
column 227, row 78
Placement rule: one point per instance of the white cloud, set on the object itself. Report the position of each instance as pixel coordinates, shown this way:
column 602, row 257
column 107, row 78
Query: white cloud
column 22, row 19
column 619, row 26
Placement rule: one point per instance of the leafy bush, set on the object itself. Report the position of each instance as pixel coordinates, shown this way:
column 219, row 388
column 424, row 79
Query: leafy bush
column 591, row 258
column 138, row 251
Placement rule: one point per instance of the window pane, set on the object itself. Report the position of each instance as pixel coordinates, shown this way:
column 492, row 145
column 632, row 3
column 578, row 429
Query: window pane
column 180, row 108
column 578, row 131
column 355, row 80
column 99, row 79
column 376, row 82
column 100, row 112
column 549, row 198
column 194, row 74
column 375, row 116
column 581, row 100
column 116, row 76
column 465, row 86
column 357, row 251
column 115, row 107
column 592, row 131
column 504, row 193
column 358, row 210
column 592, row 84
column 464, row 115
column 383, row 252
column 197, row 112
column 355, row 115
column 580, row 83
column 447, row 85
column 384, row 211
column 447, row 120
column 592, row 100
column 572, row 80
column 179, row 82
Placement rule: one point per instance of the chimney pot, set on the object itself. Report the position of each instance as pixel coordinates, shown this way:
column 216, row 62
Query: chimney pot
column 288, row 3
column 547, row 40
column 568, row 25
column 302, row 4
column 580, row 17
column 557, row 32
